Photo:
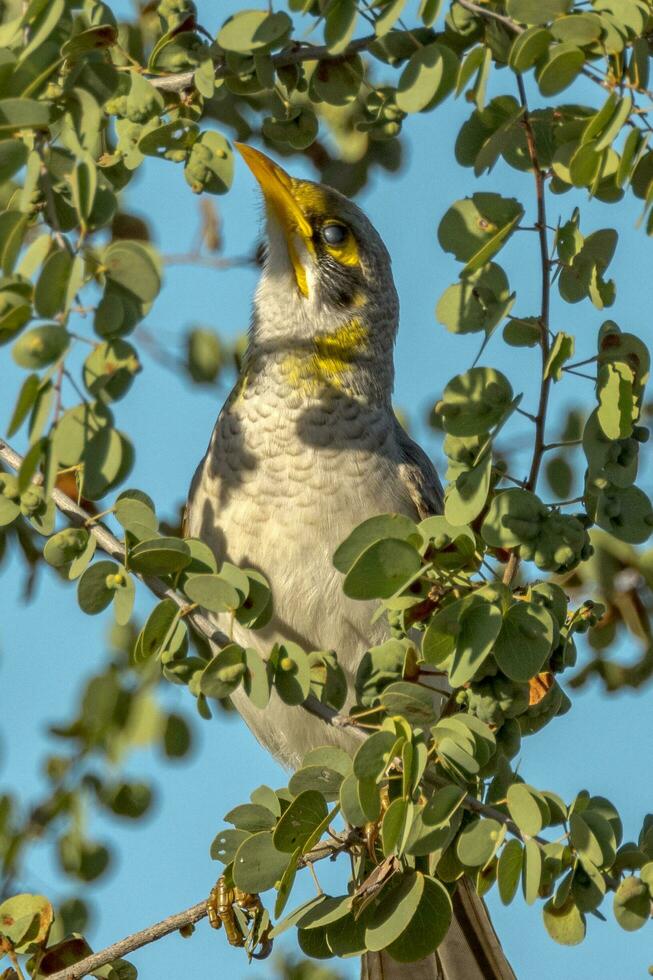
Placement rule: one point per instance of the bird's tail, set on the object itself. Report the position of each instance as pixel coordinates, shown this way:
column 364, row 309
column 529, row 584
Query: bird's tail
column 470, row 951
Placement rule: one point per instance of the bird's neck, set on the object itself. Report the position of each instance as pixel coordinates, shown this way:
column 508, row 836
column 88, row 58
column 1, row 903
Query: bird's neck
column 314, row 354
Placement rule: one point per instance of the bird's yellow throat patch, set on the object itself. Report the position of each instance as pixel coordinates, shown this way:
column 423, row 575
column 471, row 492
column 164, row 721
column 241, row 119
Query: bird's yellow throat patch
column 329, row 360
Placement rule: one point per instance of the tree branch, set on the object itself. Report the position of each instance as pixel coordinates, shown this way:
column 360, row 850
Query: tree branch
column 108, row 543
column 325, row 849
column 298, row 53
column 545, row 304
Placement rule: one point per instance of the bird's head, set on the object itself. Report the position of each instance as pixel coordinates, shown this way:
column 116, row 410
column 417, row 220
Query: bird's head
column 326, row 268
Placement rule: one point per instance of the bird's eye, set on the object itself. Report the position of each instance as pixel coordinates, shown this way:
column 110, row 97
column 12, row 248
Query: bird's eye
column 335, row 234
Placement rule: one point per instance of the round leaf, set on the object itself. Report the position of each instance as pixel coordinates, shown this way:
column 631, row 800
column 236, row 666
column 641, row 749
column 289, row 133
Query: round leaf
column 258, row 865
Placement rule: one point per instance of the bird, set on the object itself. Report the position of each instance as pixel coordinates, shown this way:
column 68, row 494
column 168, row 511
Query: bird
column 305, row 448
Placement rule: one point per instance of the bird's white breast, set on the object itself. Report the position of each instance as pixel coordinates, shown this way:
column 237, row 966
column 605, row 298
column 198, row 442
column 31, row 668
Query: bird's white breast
column 284, row 482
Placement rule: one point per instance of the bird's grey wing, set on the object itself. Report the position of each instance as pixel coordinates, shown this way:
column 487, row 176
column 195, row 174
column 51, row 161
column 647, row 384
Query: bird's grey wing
column 419, row 475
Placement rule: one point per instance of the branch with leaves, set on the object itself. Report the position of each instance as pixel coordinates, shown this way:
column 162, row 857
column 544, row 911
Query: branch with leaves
column 476, row 652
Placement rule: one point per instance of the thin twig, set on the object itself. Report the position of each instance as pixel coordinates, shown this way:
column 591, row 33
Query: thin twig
column 210, row 261
column 57, row 390
column 127, row 945
column 474, row 8
column 545, row 385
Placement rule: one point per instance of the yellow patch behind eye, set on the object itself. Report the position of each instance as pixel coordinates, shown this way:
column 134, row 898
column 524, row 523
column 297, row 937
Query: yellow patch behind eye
column 347, row 253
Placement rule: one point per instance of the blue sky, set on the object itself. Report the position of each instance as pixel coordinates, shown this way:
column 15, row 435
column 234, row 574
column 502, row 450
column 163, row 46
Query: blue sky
column 48, row 648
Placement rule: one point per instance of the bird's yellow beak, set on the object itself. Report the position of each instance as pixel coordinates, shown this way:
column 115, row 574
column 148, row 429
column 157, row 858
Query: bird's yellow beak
column 279, row 190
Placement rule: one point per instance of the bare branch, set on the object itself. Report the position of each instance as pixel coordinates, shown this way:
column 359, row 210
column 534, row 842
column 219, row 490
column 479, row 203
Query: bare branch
column 127, row 945
column 325, row 849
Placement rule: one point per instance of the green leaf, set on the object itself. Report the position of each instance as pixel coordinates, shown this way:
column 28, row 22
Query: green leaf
column 480, row 624
column 396, row 826
column 258, row 865
column 25, row 921
column 536, row 11
column 525, row 641
column 212, row 592
column 427, row 79
column 18, row 114
column 107, row 458
column 204, row 355
column 565, row 923
column 51, row 295
column 632, row 904
column 532, row 871
column 292, row 676
column 299, row 129
column 13, row 225
column 388, row 17
column 428, row 926
column 93, row 39
column 130, row 265
column 415, row 704
column 373, row 755
column 382, row 569
column 577, row 28
column 473, row 402
column 40, row 346
column 13, row 155
column 257, row 679
column 479, row 302
column 528, row 48
column 133, row 507
column 475, row 228
column 210, row 165
column 443, row 804
column 25, row 401
column 66, row 545
column 224, row 673
column 79, row 564
column 359, row 800
column 286, row 883
column 251, row 817
column 226, row 843
column 509, row 870
column 254, row 30
column 392, row 915
column 371, row 530
column 298, row 823
column 617, row 407
column 592, row 837
column 562, row 350
column 93, row 592
column 159, row 556
column 478, row 841
column 109, row 370
column 84, row 182
column 526, row 808
column 465, row 498
column 561, row 68
column 440, row 637
column 158, row 629
column 123, row 598
column 340, row 24
column 315, row 776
